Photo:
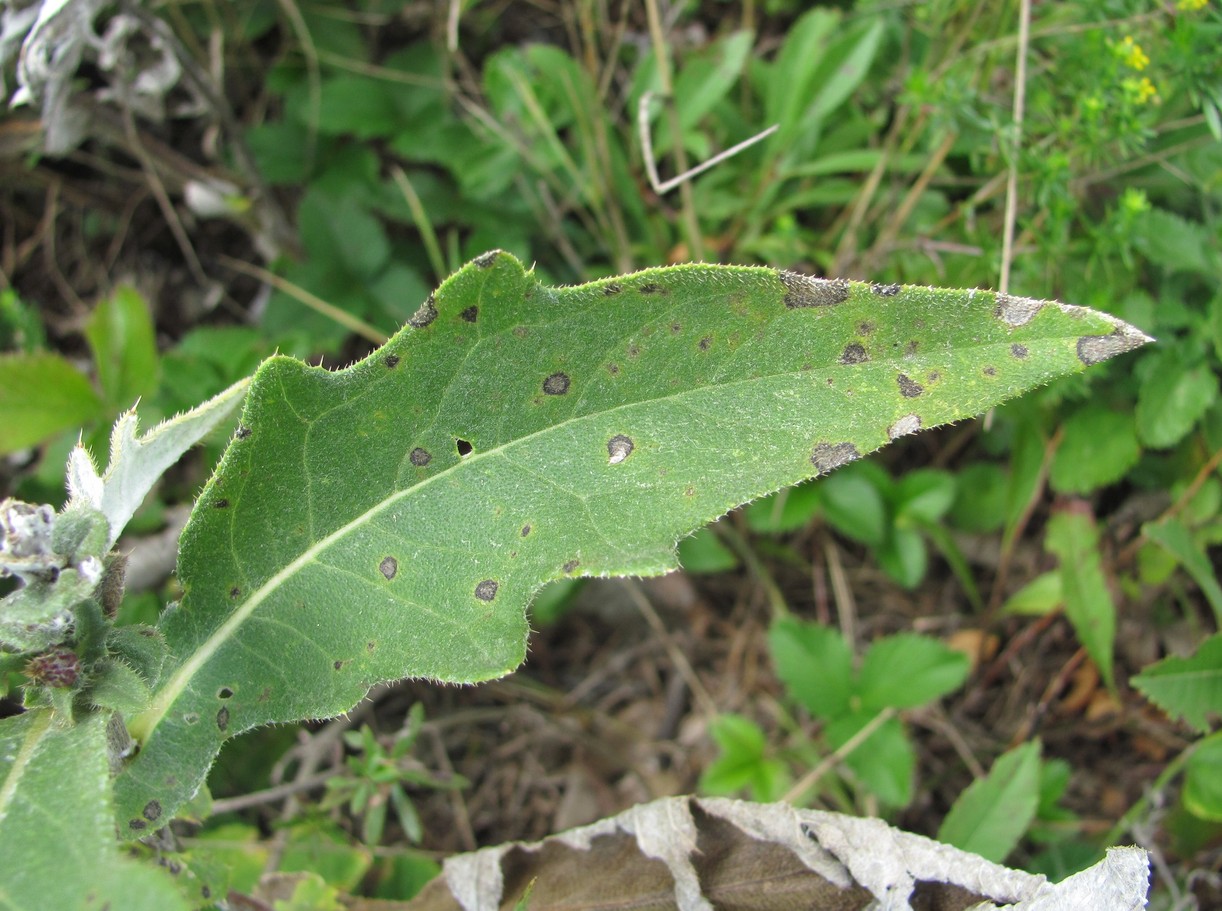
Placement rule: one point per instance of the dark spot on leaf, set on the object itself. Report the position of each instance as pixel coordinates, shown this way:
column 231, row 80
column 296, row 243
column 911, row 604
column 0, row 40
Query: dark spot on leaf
column 652, row 288
column 571, row 565
column 222, row 718
column 633, row 350
column 464, row 448
column 1019, row 351
column 425, row 315
column 613, row 369
column 676, row 328
column 556, row 384
column 990, row 371
column 885, row 290
column 190, row 718
column 484, row 260
column 804, row 291
column 865, row 328
column 486, row 590
column 933, row 376
column 521, row 331
column 338, row 665
column 235, row 592
column 909, row 389
column 619, row 447
column 689, row 492
column 419, row 457
column 470, row 315
column 391, row 361
column 242, row 432
column 388, row 567
column 224, row 692
column 911, row 348
column 909, row 423
column 222, row 503
column 152, row 810
column 137, row 825
column 205, row 892
column 854, row 354
column 370, row 646
column 1017, row 311
column 612, row 289
column 827, row 456
column 705, row 343
column 525, row 530
column 1095, row 348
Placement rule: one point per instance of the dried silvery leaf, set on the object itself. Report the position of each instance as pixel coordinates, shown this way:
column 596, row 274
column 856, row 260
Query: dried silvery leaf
column 697, row 854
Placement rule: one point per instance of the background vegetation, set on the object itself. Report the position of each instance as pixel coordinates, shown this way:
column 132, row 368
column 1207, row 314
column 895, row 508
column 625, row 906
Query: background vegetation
column 311, row 171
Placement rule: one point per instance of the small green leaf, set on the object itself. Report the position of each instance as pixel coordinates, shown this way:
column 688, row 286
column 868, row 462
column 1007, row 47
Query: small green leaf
column 118, row 687
column 993, row 813
column 1040, row 596
column 980, row 497
column 1176, row 539
column 925, row 495
column 884, row 762
column 853, row 505
column 815, row 665
column 903, row 557
column 1188, row 688
column 1099, row 447
column 1171, row 401
column 1074, row 539
column 703, row 552
column 120, row 332
column 743, row 762
column 40, row 395
column 1202, row 793
column 907, row 670
column 785, row 510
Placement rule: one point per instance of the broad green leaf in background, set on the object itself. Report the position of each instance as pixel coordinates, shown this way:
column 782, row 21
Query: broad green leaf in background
column 1188, row 688
column 907, row 670
column 40, row 395
column 394, row 518
column 1040, row 596
column 56, row 822
column 120, row 332
column 1175, row 537
column 744, row 761
column 1074, row 539
column 815, row 664
column 1202, row 793
column 1099, row 447
column 992, row 814
column 1172, row 399
column 884, row 762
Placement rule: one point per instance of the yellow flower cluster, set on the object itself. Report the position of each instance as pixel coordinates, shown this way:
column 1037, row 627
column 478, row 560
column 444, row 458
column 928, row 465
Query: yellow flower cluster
column 1142, row 90
column 1132, row 54
column 1191, row 6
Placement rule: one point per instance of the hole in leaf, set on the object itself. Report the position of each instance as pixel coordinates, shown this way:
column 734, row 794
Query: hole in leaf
column 224, row 693
column 464, row 448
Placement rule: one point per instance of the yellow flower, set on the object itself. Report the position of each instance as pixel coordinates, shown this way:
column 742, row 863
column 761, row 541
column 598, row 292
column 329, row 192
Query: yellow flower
column 1191, row 6
column 1142, row 90
column 1134, row 57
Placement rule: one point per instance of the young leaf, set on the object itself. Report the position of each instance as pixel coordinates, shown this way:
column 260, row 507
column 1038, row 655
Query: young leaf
column 40, row 395
column 1074, row 539
column 394, row 518
column 815, row 664
column 120, row 332
column 908, row 670
column 993, row 813
column 1188, row 688
column 56, row 823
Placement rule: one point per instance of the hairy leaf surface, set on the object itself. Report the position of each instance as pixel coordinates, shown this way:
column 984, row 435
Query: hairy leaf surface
column 394, row 518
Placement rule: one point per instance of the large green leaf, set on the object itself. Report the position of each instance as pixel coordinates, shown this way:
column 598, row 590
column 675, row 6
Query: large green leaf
column 56, row 823
column 346, row 538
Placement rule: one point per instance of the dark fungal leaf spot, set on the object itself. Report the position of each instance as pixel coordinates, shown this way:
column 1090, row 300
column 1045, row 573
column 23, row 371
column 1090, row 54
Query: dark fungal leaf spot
column 865, row 328
column 556, row 384
column 933, row 376
column 520, row 331
column 613, row 369
column 222, row 719
column 470, row 315
column 1018, row 351
column 909, row 423
column 676, row 328
column 619, row 447
column 652, row 288
column 571, row 565
column 908, row 388
column 525, row 530
column 137, row 825
column 827, row 456
column 705, row 343
column 804, row 291
column 391, row 361
column 885, row 290
column 854, row 354
column 224, row 693
column 689, row 492
column 388, row 567
column 1095, row 348
column 485, row 260
column 425, row 315
column 370, row 646
column 612, row 289
column 338, row 665
column 464, row 448
column 1017, row 311
column 486, row 590
column 634, row 350
column 990, row 371
column 152, row 810
column 235, row 592
column 222, row 503
column 910, row 349
column 242, row 432
column 419, row 457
